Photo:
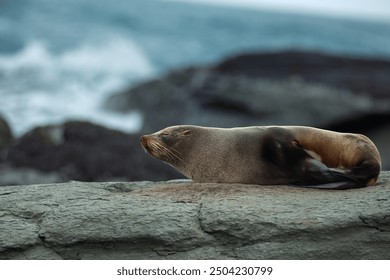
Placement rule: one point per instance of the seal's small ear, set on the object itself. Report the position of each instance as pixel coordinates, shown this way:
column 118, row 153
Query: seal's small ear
column 296, row 143
column 186, row 132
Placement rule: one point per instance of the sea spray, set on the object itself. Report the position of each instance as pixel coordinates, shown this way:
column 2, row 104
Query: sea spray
column 45, row 87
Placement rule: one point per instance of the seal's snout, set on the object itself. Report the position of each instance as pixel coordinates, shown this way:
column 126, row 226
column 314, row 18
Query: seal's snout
column 144, row 141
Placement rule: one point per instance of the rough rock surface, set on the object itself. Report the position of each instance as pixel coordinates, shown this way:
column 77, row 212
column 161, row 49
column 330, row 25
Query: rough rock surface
column 185, row 220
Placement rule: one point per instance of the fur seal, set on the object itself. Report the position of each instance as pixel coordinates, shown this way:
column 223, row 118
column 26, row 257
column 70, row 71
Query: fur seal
column 268, row 155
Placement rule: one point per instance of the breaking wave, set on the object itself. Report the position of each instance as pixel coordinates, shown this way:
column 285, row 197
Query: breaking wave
column 38, row 85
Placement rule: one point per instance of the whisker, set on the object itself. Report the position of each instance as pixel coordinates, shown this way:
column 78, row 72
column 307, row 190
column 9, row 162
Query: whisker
column 143, row 148
column 166, row 151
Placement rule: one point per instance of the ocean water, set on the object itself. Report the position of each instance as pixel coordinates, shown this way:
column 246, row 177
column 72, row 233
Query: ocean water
column 60, row 60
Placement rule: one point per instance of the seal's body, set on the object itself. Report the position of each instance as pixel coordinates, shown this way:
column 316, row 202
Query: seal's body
column 268, row 155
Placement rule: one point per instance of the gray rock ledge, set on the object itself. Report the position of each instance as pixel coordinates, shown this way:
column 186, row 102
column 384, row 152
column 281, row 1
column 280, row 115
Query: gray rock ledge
column 185, row 220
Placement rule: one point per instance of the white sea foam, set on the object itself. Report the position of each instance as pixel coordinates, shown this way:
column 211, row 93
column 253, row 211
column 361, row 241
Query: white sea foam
column 39, row 86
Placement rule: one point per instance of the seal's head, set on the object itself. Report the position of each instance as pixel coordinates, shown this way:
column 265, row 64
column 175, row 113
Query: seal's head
column 168, row 144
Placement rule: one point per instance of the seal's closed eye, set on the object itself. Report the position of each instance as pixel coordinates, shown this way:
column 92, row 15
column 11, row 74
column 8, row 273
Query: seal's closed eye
column 165, row 137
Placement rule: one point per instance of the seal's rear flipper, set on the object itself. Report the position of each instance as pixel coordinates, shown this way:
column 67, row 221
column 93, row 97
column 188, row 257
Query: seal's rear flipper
column 315, row 174
column 302, row 168
column 336, row 186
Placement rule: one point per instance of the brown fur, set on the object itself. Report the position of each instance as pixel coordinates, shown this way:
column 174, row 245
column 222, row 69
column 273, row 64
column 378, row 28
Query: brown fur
column 343, row 151
column 267, row 155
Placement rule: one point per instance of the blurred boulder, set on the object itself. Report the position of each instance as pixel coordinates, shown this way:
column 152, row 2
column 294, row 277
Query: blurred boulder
column 261, row 89
column 87, row 152
column 5, row 134
column 10, row 176
column 359, row 75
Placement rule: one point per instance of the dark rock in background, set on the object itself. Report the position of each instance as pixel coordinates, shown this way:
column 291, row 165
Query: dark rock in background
column 361, row 76
column 83, row 151
column 5, row 134
column 281, row 89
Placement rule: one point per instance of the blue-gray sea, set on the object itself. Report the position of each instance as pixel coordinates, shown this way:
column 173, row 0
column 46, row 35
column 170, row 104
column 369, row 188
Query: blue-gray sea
column 60, row 60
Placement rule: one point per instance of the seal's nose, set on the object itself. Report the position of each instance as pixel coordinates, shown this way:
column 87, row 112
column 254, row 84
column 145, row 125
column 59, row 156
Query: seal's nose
column 143, row 140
